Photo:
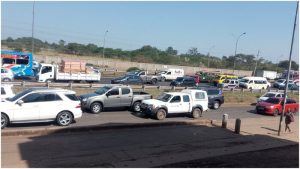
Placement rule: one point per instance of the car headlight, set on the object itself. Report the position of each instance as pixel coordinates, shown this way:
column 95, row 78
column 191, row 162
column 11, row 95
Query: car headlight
column 84, row 99
column 150, row 106
column 269, row 107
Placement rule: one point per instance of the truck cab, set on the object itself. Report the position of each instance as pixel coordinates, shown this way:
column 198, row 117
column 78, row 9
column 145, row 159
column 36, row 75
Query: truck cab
column 192, row 102
column 45, row 73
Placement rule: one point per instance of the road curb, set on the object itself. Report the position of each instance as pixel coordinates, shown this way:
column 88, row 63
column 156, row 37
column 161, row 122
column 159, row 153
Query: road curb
column 57, row 130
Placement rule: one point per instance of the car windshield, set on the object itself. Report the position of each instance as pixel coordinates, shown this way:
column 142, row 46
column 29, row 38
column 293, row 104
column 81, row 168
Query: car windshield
column 281, row 81
column 19, row 95
column 179, row 79
column 244, row 80
column 272, row 100
column 102, row 90
column 269, row 95
column 164, row 97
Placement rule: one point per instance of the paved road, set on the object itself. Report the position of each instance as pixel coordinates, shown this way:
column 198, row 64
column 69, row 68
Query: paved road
column 123, row 116
column 134, row 147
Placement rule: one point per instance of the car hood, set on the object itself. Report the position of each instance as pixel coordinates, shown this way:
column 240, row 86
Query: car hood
column 263, row 98
column 88, row 95
column 265, row 104
column 154, row 102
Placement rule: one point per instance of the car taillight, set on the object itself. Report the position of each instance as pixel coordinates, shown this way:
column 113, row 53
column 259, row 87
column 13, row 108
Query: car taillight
column 78, row 106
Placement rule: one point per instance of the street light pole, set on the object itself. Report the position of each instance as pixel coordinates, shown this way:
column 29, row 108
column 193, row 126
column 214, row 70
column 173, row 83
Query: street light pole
column 104, row 43
column 236, row 44
column 288, row 73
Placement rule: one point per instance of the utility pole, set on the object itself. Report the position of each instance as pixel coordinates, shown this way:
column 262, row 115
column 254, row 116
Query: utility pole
column 256, row 63
column 288, row 73
column 104, row 43
column 32, row 35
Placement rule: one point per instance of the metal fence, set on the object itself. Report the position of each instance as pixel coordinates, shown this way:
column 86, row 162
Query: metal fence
column 71, row 85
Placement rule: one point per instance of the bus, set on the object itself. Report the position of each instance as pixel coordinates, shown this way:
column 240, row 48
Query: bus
column 19, row 62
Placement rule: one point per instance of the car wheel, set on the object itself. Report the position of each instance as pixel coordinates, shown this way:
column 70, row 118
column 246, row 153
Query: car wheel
column 136, row 106
column 276, row 112
column 161, row 114
column 216, row 105
column 196, row 113
column 154, row 81
column 4, row 121
column 96, row 108
column 6, row 80
column 64, row 118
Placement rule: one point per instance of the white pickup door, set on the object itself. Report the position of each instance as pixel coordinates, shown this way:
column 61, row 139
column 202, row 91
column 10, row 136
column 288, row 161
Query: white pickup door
column 179, row 104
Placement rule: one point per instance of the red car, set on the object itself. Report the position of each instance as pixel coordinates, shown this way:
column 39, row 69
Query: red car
column 196, row 78
column 273, row 106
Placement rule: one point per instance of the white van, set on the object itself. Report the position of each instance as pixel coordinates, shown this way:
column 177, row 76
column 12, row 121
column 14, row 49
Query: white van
column 172, row 74
column 254, row 83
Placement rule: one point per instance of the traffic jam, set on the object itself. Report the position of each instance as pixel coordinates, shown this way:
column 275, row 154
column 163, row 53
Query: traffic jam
column 203, row 91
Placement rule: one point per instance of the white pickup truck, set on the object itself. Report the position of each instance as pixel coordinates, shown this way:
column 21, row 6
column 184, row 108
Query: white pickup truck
column 193, row 102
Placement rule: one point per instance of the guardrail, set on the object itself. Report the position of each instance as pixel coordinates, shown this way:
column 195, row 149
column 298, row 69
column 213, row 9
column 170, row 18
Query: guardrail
column 71, row 85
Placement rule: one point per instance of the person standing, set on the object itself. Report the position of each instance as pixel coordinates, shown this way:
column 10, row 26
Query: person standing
column 289, row 117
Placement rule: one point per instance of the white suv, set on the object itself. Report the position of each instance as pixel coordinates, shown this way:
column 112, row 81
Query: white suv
column 41, row 105
column 6, row 91
column 6, row 75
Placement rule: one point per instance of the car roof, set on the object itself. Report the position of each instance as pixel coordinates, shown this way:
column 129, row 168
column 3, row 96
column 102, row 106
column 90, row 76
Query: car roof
column 45, row 89
column 275, row 92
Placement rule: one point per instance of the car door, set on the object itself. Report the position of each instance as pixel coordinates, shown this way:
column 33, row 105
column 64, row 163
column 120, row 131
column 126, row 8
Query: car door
column 51, row 104
column 29, row 109
column 113, row 98
column 126, row 97
column 186, row 103
column 174, row 105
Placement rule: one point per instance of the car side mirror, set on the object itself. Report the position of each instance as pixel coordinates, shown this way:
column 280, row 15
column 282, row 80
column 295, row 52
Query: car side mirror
column 20, row 102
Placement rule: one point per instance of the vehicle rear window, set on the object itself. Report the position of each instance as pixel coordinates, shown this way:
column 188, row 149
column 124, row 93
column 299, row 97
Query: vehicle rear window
column 72, row 97
column 199, row 95
column 213, row 92
column 272, row 100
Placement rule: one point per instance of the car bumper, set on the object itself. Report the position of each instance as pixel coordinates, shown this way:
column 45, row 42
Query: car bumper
column 263, row 110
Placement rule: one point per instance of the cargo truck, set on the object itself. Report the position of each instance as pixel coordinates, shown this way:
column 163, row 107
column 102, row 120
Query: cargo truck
column 50, row 73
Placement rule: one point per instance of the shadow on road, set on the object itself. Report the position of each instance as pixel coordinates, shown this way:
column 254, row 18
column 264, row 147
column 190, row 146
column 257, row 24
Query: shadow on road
column 144, row 146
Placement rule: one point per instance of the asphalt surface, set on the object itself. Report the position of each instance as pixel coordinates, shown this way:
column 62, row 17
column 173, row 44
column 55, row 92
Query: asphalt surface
column 268, row 158
column 123, row 116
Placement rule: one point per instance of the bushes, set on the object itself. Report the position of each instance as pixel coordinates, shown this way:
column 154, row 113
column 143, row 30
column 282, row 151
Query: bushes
column 132, row 69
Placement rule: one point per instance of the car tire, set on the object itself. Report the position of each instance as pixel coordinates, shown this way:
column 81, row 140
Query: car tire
column 276, row 112
column 4, row 121
column 161, row 114
column 196, row 113
column 136, row 107
column 154, row 81
column 96, row 108
column 64, row 118
column 216, row 105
